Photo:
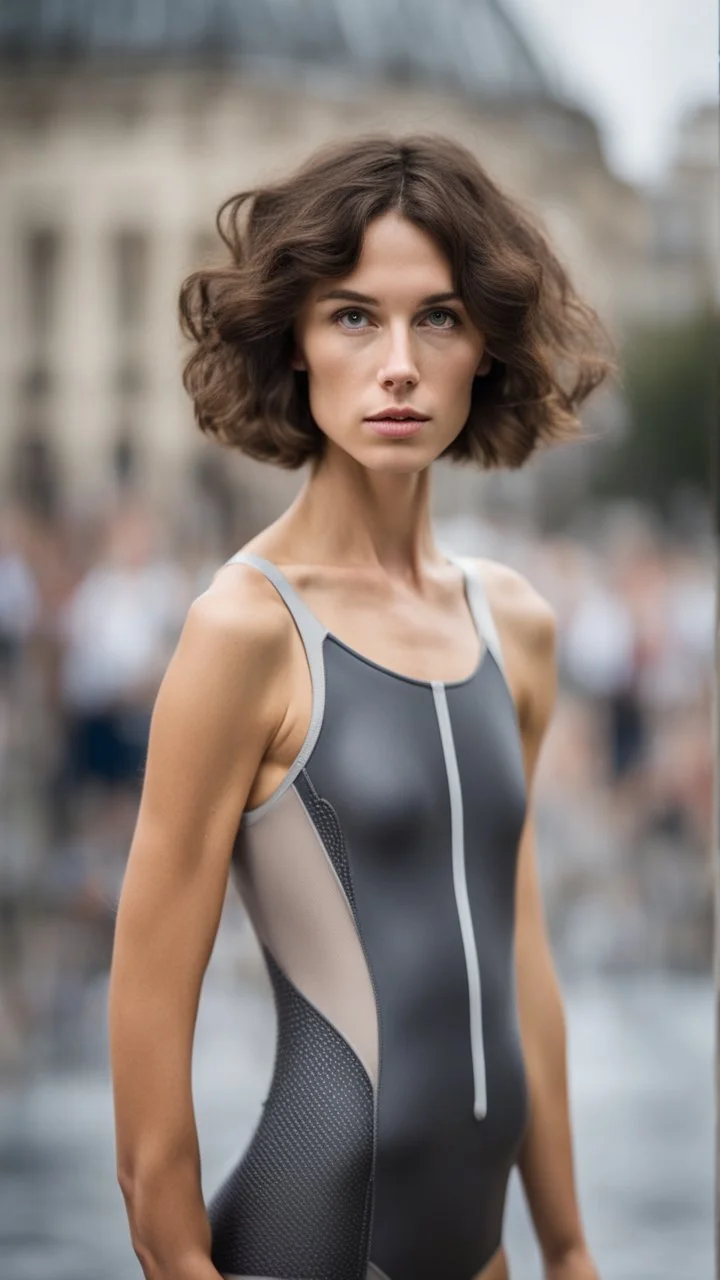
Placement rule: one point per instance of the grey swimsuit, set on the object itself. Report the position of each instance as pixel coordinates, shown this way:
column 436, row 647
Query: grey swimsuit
column 379, row 878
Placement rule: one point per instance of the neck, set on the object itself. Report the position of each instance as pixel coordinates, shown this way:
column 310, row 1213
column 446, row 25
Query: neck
column 346, row 514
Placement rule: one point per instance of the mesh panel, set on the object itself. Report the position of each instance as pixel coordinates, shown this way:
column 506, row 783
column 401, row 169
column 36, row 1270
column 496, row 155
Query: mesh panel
column 298, row 1203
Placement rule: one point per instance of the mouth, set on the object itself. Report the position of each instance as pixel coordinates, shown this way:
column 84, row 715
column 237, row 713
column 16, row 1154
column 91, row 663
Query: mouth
column 398, row 414
column 395, row 426
column 396, row 422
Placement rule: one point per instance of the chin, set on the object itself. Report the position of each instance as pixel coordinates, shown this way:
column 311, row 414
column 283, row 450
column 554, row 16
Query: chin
column 391, row 460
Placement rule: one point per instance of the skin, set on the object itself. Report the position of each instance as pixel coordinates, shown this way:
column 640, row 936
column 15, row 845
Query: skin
column 235, row 704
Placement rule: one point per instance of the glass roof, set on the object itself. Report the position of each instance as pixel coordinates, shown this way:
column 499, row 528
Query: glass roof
column 473, row 45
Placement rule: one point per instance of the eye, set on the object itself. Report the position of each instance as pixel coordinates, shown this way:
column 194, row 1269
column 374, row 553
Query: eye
column 443, row 314
column 350, row 314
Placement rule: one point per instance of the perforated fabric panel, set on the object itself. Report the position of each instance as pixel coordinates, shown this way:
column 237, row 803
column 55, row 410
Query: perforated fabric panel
column 328, row 827
column 297, row 1206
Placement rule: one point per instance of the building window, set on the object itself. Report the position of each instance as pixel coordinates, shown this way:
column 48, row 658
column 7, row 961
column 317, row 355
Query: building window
column 42, row 259
column 125, row 458
column 130, row 261
column 34, row 472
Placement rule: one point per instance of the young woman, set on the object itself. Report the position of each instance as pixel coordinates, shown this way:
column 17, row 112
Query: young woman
column 351, row 723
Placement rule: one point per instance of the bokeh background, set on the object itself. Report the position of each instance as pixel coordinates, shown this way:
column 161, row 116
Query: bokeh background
column 124, row 124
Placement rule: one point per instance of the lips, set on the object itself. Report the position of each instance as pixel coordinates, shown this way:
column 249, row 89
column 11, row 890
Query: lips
column 395, row 427
column 397, row 415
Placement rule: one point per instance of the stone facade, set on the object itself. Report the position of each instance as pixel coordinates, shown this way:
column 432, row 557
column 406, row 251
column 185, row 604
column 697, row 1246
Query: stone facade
column 111, row 174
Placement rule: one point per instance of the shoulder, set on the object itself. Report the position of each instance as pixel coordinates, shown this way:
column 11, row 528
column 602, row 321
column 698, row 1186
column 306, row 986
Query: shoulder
column 527, row 628
column 523, row 614
column 231, row 654
column 240, row 613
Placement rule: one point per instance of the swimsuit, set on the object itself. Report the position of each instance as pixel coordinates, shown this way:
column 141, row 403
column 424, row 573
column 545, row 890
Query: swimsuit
column 379, row 878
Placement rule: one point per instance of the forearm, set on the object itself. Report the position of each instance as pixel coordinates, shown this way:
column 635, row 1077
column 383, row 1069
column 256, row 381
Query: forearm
column 169, row 1227
column 546, row 1159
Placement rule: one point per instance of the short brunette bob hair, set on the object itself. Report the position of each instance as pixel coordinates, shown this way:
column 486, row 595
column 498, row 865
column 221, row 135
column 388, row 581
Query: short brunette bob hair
column 549, row 349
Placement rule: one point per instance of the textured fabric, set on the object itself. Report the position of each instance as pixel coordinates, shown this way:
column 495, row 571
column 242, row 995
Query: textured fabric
column 328, row 828
column 303, row 1184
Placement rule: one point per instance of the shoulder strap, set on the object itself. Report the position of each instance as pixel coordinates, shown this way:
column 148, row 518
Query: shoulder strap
column 480, row 606
column 312, row 634
column 311, row 629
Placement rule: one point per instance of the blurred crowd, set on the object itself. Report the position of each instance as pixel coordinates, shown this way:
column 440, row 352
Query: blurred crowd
column 90, row 612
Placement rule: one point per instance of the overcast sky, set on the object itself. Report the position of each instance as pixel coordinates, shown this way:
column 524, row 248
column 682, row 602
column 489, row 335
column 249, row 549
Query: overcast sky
column 634, row 63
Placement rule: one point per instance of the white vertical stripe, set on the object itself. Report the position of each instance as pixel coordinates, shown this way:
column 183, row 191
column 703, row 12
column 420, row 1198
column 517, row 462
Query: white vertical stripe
column 462, row 900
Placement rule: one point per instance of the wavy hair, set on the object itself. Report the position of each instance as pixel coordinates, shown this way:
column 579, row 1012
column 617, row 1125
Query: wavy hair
column 549, row 348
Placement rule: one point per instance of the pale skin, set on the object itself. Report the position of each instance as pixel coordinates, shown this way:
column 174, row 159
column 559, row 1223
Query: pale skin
column 234, row 707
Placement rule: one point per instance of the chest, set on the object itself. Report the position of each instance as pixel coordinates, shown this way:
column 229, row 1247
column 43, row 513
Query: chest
column 405, row 762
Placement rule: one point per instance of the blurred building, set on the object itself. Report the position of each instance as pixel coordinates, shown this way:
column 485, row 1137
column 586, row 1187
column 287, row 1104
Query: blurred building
column 126, row 124
column 686, row 209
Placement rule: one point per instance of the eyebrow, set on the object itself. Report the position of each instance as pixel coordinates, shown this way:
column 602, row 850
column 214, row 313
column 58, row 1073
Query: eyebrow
column 353, row 296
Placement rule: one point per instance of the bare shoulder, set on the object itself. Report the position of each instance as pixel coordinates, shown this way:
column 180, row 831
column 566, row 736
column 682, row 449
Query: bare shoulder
column 230, row 655
column 240, row 616
column 520, row 610
column 527, row 627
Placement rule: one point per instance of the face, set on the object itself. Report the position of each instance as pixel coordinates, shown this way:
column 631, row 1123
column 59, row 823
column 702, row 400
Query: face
column 391, row 335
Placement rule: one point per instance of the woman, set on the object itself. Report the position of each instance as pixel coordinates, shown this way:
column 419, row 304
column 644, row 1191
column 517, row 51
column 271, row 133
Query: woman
column 351, row 722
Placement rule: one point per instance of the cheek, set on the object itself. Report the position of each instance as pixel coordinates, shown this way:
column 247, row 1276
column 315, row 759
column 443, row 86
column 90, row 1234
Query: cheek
column 333, row 362
column 452, row 370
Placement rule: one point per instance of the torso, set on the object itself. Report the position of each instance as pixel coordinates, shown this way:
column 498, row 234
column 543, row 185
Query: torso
column 376, row 859
column 432, row 641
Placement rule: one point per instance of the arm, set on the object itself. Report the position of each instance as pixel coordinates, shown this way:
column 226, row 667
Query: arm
column 546, row 1160
column 216, row 712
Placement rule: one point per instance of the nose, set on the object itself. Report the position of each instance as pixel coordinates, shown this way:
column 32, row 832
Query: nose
column 399, row 368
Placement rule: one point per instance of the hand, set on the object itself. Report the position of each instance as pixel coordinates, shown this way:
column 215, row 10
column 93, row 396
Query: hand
column 575, row 1265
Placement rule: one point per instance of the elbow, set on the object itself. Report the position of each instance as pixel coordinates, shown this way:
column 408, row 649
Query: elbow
column 125, row 1182
column 169, row 1229
column 133, row 1194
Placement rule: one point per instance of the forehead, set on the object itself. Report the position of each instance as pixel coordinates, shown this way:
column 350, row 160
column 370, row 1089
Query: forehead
column 395, row 256
column 394, row 237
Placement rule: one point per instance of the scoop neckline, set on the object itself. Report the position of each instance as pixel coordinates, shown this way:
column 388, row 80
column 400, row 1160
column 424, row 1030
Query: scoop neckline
column 371, row 662
column 400, row 675
column 391, row 671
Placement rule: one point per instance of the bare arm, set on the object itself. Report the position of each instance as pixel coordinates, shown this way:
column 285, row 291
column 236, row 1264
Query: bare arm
column 216, row 712
column 546, row 1159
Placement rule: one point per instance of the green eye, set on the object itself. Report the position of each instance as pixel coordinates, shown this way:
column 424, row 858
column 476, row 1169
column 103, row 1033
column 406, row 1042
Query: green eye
column 444, row 315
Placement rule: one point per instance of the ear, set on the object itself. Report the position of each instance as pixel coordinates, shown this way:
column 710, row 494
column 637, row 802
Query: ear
column 485, row 364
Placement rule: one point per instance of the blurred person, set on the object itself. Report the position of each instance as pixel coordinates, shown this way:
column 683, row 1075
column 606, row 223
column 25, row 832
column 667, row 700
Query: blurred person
column 676, row 688
column 19, row 597
column 20, row 610
column 680, row 613
column 603, row 656
column 350, row 724
column 116, row 630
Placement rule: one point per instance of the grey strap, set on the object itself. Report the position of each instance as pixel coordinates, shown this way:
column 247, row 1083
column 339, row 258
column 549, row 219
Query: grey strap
column 312, row 633
column 310, row 627
column 480, row 606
